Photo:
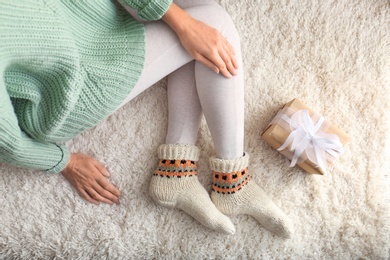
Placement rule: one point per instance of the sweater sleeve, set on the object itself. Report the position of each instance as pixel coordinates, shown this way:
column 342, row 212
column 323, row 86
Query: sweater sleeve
column 18, row 149
column 149, row 9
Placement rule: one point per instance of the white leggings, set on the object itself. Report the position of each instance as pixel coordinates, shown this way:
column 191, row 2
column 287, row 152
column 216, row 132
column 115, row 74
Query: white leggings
column 194, row 89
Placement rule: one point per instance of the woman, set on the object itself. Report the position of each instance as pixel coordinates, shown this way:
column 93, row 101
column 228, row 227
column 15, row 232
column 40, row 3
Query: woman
column 65, row 65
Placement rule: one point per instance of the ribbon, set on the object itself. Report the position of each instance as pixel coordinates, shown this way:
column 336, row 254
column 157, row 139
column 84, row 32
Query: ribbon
column 307, row 138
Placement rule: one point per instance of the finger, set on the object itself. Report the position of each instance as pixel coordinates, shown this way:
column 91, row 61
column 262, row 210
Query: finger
column 234, row 62
column 230, row 47
column 95, row 195
column 113, row 192
column 207, row 63
column 230, row 50
column 86, row 196
column 221, row 65
column 101, row 168
column 228, row 63
column 106, row 194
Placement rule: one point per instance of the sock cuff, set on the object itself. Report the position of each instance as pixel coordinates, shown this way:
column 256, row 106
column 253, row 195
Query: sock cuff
column 228, row 166
column 178, row 152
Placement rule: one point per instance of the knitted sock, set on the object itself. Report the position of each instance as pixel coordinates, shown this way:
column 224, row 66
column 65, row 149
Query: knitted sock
column 175, row 184
column 234, row 193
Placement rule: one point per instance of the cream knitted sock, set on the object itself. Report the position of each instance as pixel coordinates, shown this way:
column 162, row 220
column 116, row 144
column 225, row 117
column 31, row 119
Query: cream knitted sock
column 175, row 184
column 234, row 193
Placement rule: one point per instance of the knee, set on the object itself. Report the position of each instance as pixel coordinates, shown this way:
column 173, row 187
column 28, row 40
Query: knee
column 226, row 27
column 224, row 22
column 217, row 17
column 229, row 30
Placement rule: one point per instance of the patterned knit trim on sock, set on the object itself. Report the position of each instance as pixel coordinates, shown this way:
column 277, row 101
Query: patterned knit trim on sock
column 176, row 168
column 178, row 152
column 230, row 182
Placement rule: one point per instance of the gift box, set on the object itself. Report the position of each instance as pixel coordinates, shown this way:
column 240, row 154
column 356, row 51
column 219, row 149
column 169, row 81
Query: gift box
column 305, row 137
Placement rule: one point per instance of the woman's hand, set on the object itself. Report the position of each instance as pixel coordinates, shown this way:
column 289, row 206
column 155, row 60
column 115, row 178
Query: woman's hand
column 88, row 176
column 202, row 42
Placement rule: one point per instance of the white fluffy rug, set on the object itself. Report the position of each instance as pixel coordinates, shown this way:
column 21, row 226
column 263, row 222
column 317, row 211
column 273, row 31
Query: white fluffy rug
column 333, row 55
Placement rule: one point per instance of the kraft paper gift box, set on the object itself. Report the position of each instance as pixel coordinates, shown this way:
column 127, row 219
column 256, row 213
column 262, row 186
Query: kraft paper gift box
column 305, row 137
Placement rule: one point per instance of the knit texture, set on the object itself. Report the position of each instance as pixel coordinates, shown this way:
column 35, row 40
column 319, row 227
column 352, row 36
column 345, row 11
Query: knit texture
column 233, row 193
column 178, row 151
column 149, row 10
column 175, row 185
column 64, row 66
column 176, row 168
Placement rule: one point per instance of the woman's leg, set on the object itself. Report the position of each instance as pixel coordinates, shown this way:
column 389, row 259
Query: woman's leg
column 174, row 183
column 221, row 99
column 185, row 111
column 222, row 102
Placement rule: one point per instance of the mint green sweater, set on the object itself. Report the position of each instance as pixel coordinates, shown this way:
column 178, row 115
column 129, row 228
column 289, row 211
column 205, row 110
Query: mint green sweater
column 64, row 66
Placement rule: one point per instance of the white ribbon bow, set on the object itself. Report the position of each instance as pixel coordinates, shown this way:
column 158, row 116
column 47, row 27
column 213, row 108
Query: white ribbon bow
column 309, row 139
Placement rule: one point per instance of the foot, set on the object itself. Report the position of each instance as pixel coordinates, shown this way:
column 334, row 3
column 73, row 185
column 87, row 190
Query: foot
column 234, row 193
column 175, row 185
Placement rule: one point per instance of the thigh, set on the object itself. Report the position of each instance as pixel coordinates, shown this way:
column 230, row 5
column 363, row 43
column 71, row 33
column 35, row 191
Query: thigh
column 186, row 3
column 182, row 3
column 164, row 54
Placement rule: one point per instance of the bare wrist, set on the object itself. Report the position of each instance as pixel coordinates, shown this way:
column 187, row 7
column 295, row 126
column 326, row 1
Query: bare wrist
column 176, row 18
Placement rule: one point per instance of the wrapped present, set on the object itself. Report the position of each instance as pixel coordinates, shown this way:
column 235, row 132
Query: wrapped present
column 305, row 137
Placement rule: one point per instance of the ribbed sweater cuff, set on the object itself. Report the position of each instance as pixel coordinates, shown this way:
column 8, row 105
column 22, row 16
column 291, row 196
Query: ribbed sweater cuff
column 63, row 161
column 153, row 10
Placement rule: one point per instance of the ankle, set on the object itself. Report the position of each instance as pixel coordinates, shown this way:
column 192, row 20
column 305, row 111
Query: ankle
column 230, row 176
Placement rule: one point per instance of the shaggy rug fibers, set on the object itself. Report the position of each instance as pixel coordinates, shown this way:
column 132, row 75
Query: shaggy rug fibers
column 333, row 55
